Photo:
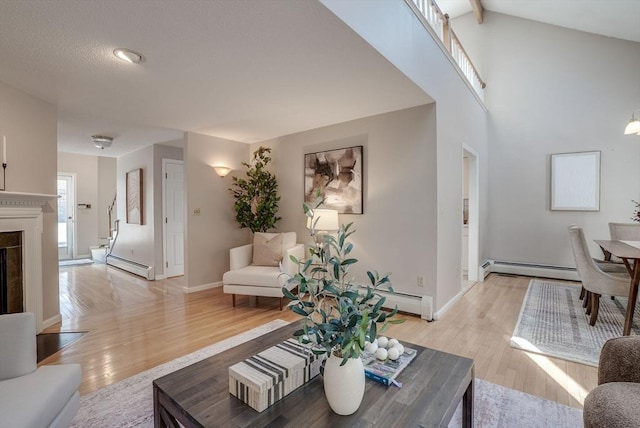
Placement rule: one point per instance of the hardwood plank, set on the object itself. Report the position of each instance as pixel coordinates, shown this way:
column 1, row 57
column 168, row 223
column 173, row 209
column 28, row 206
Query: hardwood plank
column 135, row 325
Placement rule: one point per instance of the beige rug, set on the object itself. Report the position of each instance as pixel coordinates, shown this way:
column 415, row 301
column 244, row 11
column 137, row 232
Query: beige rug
column 129, row 403
column 552, row 322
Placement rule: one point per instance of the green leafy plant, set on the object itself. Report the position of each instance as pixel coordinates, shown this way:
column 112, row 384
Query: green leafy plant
column 256, row 196
column 339, row 315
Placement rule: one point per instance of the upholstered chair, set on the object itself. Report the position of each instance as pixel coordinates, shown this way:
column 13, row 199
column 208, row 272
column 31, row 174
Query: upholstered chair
column 615, row 402
column 595, row 281
column 622, row 232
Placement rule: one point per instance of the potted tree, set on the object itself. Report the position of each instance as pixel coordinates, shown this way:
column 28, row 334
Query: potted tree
column 340, row 316
column 256, row 196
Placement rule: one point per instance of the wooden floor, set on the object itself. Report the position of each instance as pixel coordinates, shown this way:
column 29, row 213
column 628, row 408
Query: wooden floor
column 135, row 325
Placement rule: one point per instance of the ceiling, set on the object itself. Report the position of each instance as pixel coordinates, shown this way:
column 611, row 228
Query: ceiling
column 241, row 70
column 612, row 18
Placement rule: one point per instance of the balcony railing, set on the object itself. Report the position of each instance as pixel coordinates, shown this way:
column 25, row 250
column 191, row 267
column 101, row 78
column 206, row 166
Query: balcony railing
column 439, row 23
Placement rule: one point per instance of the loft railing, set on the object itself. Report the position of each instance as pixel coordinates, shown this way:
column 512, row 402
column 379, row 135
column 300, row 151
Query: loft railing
column 439, row 23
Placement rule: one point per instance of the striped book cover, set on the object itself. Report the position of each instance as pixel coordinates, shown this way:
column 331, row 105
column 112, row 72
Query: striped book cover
column 265, row 378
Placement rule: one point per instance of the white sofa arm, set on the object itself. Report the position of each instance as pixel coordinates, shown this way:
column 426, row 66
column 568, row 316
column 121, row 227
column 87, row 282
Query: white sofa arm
column 287, row 265
column 18, row 345
column 240, row 257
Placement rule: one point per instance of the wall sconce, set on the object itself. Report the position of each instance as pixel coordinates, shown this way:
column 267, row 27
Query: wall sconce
column 222, row 171
column 633, row 127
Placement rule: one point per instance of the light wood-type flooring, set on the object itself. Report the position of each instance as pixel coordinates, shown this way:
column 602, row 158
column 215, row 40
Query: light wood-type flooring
column 134, row 325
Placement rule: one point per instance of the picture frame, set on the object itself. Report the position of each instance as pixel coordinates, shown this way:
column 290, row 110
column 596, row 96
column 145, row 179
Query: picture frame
column 134, row 197
column 338, row 177
column 575, row 181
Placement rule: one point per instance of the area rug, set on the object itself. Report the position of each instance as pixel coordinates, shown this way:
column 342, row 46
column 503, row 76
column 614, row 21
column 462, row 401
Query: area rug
column 50, row 343
column 129, row 403
column 76, row 262
column 553, row 322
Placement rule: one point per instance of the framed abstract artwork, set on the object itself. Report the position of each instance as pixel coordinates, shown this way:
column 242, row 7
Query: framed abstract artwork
column 134, row 196
column 575, row 181
column 337, row 175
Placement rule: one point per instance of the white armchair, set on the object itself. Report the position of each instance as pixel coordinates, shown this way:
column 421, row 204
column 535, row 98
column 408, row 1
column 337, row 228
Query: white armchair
column 31, row 396
column 248, row 279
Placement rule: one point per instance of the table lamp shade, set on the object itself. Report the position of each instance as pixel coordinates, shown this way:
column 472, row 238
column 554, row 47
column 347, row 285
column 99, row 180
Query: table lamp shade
column 324, row 220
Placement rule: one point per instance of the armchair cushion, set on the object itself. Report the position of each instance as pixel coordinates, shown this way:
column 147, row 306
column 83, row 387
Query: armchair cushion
column 620, row 360
column 267, row 251
column 18, row 350
column 612, row 405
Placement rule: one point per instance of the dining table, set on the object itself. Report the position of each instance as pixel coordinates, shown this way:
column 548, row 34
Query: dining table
column 629, row 252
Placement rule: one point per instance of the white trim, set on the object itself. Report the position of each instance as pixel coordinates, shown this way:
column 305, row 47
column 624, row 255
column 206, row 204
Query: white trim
column 189, row 290
column 439, row 314
column 535, row 270
column 473, row 164
column 159, row 277
column 51, row 321
column 74, row 213
column 136, row 268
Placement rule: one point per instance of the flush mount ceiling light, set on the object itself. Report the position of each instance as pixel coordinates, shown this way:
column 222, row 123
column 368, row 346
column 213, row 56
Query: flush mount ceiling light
column 128, row 55
column 100, row 141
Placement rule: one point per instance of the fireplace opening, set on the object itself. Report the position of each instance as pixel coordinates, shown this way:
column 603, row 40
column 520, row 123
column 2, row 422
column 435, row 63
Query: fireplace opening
column 11, row 276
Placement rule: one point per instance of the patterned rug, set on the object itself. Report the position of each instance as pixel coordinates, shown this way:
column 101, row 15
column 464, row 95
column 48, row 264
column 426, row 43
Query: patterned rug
column 129, row 403
column 553, row 322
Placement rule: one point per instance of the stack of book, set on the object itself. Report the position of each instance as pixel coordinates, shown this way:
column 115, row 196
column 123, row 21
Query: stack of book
column 385, row 372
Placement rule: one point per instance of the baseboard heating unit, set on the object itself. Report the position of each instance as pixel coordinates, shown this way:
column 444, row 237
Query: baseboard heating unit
column 136, row 268
column 532, row 269
column 409, row 303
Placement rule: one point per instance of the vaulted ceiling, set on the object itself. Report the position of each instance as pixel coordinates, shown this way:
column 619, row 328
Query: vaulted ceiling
column 241, row 70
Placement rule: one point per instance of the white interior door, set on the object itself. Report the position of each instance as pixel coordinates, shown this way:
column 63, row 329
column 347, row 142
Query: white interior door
column 66, row 216
column 173, row 208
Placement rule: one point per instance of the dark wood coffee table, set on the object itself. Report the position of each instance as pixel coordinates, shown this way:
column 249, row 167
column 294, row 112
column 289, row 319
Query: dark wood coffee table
column 198, row 395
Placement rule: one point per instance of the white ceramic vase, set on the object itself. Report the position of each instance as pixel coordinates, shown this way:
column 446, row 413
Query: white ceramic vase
column 344, row 385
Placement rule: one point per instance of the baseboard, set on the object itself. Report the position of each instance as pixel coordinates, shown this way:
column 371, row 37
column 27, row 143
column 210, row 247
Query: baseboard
column 82, row 256
column 410, row 303
column 202, row 287
column 439, row 314
column 159, row 277
column 136, row 268
column 56, row 319
column 532, row 269
column 484, row 270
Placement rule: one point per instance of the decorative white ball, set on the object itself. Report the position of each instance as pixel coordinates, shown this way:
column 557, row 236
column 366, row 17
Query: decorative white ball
column 371, row 347
column 382, row 342
column 381, row 354
column 400, row 348
column 393, row 354
column 392, row 342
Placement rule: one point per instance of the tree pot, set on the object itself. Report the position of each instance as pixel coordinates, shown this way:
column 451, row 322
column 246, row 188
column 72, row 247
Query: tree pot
column 344, row 385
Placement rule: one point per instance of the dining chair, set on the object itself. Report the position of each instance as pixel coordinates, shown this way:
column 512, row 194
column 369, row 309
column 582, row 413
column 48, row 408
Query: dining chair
column 595, row 281
column 622, row 232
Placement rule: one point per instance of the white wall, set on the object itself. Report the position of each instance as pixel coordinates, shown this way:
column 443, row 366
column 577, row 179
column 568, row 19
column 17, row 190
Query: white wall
column 553, row 90
column 136, row 242
column 85, row 169
column 392, row 28
column 210, row 234
column 107, row 187
column 30, row 126
column 397, row 231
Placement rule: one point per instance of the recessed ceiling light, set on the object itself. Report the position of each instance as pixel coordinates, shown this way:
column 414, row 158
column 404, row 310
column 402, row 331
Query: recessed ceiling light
column 128, row 55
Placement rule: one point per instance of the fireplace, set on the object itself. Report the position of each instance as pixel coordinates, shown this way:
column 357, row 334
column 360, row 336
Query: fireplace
column 21, row 226
column 11, row 278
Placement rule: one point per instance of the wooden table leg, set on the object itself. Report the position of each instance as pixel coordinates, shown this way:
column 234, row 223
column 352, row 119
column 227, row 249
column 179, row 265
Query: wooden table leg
column 633, row 295
column 467, row 406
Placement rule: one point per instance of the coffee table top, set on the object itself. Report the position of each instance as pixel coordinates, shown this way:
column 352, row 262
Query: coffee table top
column 433, row 385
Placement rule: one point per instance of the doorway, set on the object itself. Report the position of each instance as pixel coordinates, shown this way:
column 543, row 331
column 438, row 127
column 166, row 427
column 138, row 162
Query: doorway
column 66, row 215
column 470, row 215
column 173, row 214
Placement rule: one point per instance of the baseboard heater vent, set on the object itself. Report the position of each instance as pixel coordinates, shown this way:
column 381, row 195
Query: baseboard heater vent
column 410, row 303
column 136, row 268
column 533, row 269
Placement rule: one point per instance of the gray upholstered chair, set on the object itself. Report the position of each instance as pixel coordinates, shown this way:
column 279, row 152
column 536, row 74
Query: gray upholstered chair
column 615, row 402
column 594, row 280
column 622, row 232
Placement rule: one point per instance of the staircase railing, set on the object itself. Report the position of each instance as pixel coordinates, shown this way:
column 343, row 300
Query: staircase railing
column 430, row 13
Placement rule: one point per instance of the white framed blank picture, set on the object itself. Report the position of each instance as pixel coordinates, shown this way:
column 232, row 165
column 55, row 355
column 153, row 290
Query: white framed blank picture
column 575, row 181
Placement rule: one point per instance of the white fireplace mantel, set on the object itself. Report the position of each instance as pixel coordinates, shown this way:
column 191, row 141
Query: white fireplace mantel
column 23, row 212
column 22, row 199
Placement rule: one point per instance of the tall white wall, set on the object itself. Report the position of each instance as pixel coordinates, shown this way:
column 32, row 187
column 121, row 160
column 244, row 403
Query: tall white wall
column 553, row 90
column 30, row 126
column 392, row 28
column 85, row 169
column 136, row 242
column 398, row 228
column 211, row 233
column 107, row 188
